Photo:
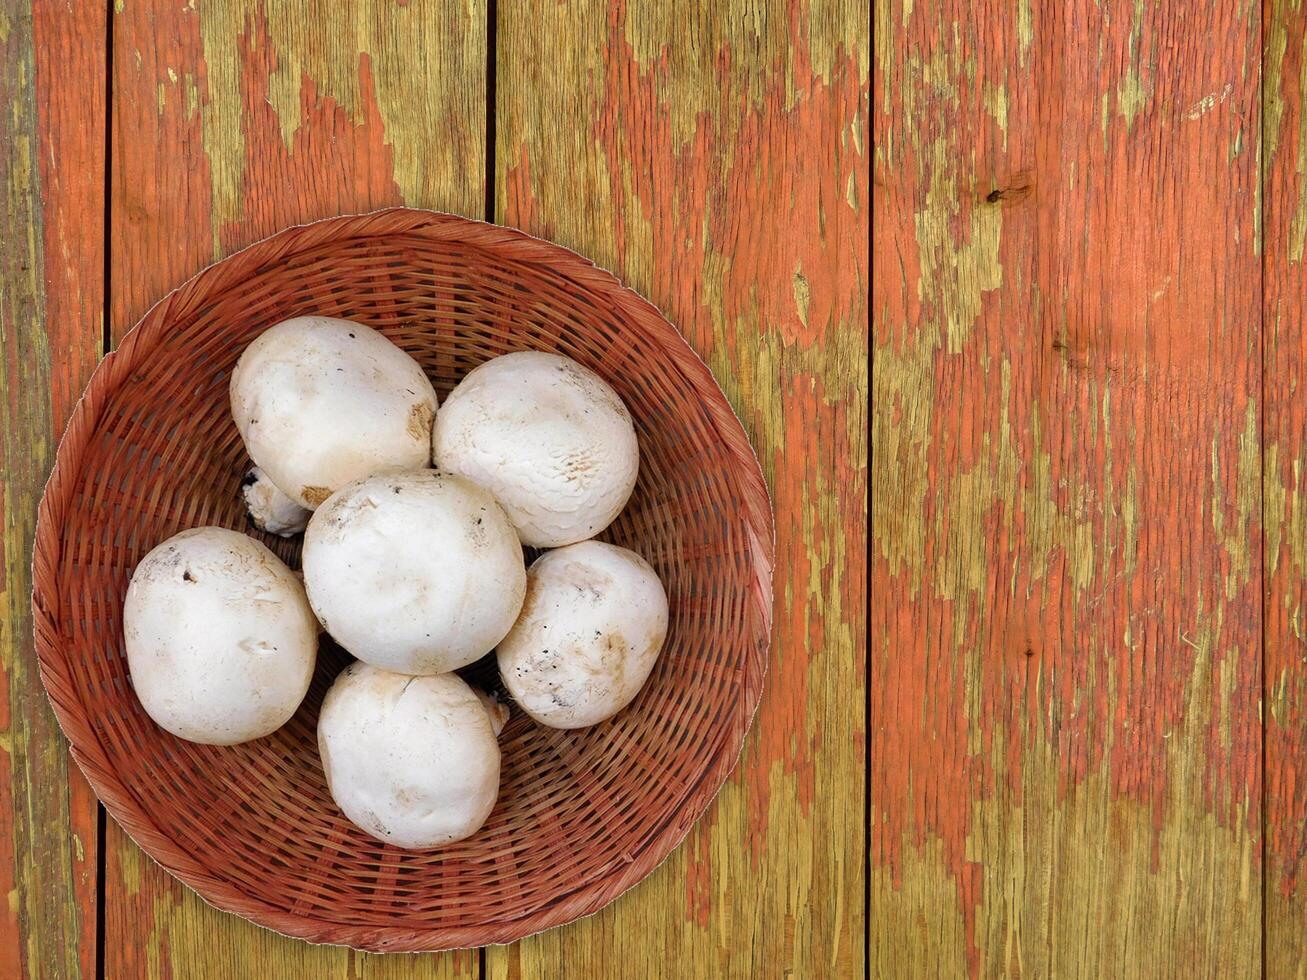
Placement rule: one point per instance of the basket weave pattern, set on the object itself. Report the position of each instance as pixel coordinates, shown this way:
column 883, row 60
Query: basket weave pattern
column 582, row 816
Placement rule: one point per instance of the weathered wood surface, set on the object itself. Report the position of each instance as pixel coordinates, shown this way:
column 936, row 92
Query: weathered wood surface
column 231, row 121
column 1066, row 571
column 715, row 157
column 51, row 312
column 1284, row 229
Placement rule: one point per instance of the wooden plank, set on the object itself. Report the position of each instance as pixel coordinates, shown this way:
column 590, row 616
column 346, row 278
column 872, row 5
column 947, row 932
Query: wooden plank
column 232, row 121
column 1065, row 669
column 1284, row 226
column 715, row 157
column 52, row 74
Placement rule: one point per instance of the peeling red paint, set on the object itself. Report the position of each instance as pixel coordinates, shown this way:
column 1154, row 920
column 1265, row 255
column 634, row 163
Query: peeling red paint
column 698, row 887
column 1069, row 426
column 519, row 198
column 332, row 166
column 1285, row 453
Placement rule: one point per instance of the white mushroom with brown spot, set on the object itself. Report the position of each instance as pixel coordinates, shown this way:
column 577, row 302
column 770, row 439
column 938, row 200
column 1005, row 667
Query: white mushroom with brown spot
column 590, row 631
column 220, row 639
column 412, row 761
column 320, row 402
column 549, row 438
column 417, row 572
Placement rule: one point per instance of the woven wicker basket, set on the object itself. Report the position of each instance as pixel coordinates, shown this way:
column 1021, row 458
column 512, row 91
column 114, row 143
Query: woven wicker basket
column 582, row 816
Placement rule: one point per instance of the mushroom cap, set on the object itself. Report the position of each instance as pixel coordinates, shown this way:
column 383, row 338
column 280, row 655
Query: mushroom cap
column 591, row 628
column 220, row 639
column 320, row 402
column 418, row 572
column 271, row 510
column 548, row 437
column 413, row 761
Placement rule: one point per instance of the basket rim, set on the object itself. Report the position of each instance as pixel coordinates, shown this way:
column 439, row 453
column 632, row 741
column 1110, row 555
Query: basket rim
column 72, row 710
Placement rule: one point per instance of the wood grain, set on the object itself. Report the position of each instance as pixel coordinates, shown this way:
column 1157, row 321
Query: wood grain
column 230, row 122
column 1065, row 669
column 715, row 157
column 1284, row 228
column 52, row 69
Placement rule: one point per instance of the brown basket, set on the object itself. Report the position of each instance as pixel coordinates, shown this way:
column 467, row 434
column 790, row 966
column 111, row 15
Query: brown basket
column 582, row 816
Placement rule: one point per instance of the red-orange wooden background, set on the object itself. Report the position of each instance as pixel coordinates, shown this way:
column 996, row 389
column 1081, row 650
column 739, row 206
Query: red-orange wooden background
column 1088, row 674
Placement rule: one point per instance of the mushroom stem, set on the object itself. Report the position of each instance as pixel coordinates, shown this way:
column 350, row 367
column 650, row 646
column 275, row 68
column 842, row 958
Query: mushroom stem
column 270, row 509
column 496, row 709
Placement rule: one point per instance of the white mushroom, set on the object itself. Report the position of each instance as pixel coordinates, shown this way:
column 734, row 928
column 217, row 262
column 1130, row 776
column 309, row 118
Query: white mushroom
column 590, row 631
column 548, row 437
column 320, row 402
column 412, row 761
column 271, row 510
column 220, row 639
column 415, row 572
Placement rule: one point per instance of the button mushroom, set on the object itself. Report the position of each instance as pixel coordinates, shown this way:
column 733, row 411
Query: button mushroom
column 416, row 572
column 413, row 761
column 320, row 402
column 220, row 639
column 548, row 437
column 590, row 631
